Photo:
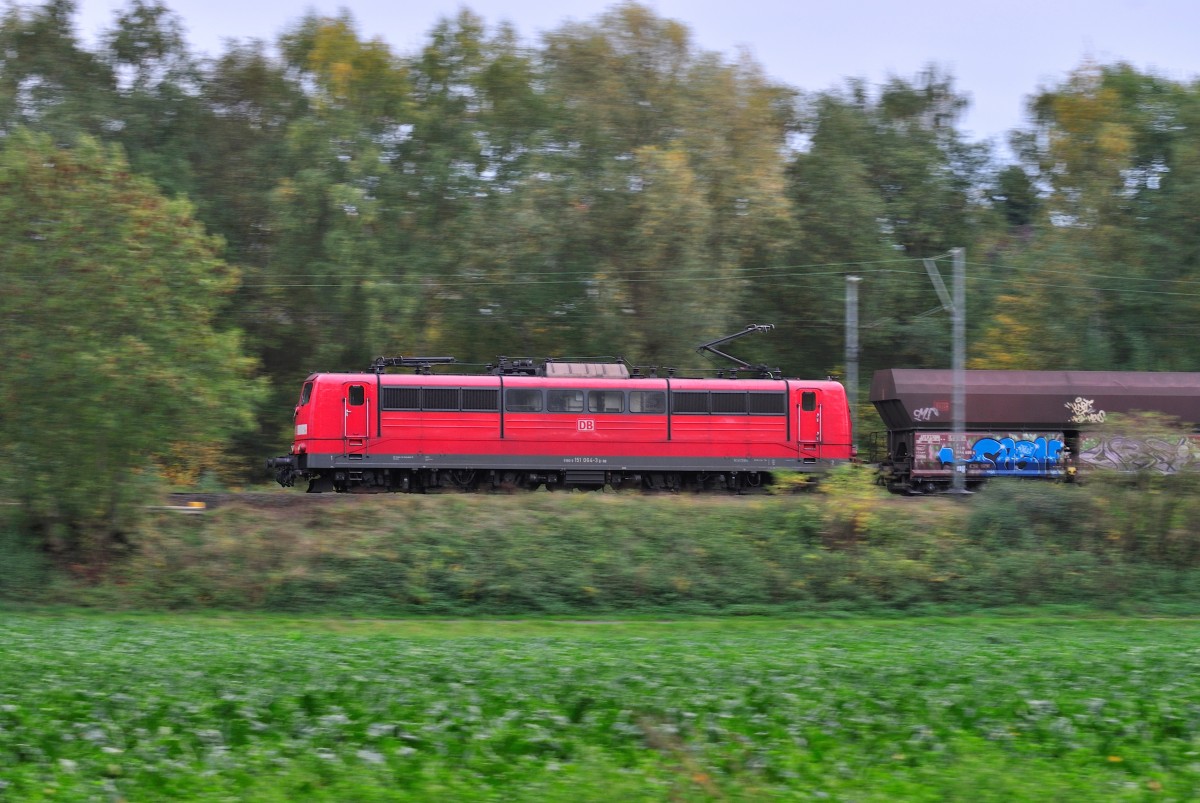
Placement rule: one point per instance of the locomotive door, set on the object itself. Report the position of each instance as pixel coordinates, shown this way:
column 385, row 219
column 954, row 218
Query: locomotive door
column 357, row 416
column 808, row 424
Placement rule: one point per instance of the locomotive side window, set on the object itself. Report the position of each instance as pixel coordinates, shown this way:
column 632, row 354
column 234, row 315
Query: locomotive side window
column 481, row 400
column 441, row 399
column 564, row 401
column 729, row 403
column 647, row 401
column 689, row 401
column 523, row 400
column 808, row 401
column 766, row 404
column 357, row 395
column 606, row 401
column 306, row 394
column 401, row 398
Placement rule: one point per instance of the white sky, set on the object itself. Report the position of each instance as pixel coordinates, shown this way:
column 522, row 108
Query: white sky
column 999, row 52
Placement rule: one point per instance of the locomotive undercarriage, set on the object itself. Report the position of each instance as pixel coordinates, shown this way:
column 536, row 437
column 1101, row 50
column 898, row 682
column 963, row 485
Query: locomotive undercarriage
column 383, row 480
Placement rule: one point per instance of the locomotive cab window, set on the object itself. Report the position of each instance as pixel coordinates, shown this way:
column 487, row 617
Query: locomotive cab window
column 357, row 395
column 523, row 400
column 564, row 401
column 647, row 401
column 808, row 401
column 306, row 393
column 606, row 401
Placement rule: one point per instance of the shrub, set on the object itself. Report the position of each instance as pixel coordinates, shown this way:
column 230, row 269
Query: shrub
column 850, row 547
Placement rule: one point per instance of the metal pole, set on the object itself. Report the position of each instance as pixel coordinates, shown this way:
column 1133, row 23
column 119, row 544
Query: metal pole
column 960, row 364
column 852, row 349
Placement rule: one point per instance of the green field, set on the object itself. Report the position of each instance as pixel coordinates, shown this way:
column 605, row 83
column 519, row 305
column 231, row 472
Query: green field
column 103, row 707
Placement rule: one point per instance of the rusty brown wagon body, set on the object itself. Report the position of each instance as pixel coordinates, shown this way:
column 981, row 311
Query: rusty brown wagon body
column 1027, row 424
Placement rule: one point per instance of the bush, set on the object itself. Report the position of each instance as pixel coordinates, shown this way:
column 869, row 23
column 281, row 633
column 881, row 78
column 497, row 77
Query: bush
column 1022, row 514
column 850, row 547
column 25, row 572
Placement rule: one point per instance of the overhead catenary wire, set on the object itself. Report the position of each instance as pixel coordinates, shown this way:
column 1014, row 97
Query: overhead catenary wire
column 790, row 273
column 1017, row 276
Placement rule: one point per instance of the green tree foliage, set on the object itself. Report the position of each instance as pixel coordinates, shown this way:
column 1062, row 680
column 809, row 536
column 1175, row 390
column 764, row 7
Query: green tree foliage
column 1016, row 197
column 883, row 178
column 157, row 112
column 495, row 196
column 112, row 362
column 251, row 104
column 668, row 159
column 342, row 216
column 479, row 121
column 1107, row 279
column 46, row 79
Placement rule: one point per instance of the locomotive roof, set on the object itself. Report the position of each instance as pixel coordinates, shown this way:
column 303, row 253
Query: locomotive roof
column 912, row 398
column 594, row 380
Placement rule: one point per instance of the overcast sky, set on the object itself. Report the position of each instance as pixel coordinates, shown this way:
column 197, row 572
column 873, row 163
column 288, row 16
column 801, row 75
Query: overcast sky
column 998, row 52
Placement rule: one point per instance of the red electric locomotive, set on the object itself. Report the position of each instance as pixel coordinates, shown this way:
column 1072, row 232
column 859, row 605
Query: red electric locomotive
column 558, row 424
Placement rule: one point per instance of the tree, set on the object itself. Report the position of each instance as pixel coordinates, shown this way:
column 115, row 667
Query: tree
column 334, row 214
column 666, row 162
column 47, row 80
column 395, row 201
column 1016, row 197
column 113, row 363
column 883, row 179
column 157, row 113
column 1108, row 279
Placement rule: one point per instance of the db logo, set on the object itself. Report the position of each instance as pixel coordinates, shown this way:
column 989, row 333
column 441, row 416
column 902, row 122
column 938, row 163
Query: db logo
column 587, row 425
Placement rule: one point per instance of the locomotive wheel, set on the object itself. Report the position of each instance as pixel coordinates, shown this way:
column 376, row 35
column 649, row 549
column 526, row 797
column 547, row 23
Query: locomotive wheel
column 509, row 481
column 464, row 479
column 320, row 485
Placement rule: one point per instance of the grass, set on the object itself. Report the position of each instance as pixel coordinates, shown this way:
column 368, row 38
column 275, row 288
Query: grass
column 147, row 707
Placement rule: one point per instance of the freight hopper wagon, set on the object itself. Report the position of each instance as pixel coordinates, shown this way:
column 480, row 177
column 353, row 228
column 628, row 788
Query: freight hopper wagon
column 1027, row 424
column 558, row 425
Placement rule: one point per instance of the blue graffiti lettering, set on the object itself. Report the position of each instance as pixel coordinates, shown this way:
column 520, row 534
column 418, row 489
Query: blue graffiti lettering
column 993, row 457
